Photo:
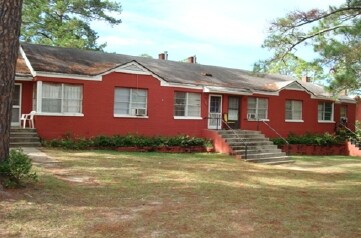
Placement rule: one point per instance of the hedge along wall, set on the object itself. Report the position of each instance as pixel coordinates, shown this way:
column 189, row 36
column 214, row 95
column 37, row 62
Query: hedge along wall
column 347, row 149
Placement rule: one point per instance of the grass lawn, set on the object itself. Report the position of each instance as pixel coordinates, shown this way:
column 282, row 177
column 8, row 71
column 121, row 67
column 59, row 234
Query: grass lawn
column 111, row 194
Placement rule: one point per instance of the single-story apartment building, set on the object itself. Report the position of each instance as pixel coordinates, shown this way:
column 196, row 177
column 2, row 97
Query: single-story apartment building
column 86, row 93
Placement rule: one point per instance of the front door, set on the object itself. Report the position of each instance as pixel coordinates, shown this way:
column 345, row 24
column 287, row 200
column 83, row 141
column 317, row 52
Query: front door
column 215, row 112
column 233, row 112
column 16, row 109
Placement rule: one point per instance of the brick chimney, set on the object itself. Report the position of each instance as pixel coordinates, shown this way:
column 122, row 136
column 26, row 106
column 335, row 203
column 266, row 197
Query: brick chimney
column 192, row 59
column 306, row 79
column 163, row 56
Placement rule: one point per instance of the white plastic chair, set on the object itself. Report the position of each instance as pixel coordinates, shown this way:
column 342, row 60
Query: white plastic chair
column 28, row 117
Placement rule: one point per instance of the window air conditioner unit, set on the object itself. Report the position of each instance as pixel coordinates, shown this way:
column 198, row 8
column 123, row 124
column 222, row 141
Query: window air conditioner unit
column 140, row 111
column 251, row 116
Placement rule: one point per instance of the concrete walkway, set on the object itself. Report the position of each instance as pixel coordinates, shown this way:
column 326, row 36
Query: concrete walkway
column 40, row 158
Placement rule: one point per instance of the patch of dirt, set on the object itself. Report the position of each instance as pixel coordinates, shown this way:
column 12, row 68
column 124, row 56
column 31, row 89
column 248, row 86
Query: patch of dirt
column 78, row 179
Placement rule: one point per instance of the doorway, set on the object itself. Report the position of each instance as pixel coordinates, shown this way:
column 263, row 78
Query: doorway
column 215, row 112
column 16, row 109
column 233, row 112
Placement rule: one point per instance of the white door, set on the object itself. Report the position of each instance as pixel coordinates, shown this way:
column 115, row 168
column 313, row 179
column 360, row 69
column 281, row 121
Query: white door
column 215, row 112
column 16, row 110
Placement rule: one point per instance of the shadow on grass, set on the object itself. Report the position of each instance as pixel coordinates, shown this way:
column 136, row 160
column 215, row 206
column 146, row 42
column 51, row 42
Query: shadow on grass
column 197, row 195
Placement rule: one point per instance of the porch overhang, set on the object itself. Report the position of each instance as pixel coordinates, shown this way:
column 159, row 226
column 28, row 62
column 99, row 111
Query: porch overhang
column 226, row 90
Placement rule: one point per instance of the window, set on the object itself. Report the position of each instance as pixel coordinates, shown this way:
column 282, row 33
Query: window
column 343, row 111
column 257, row 108
column 187, row 104
column 293, row 110
column 325, row 111
column 130, row 102
column 61, row 98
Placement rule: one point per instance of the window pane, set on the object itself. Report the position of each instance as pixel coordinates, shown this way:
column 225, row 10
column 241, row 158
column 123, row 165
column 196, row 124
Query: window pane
column 194, row 104
column 51, row 101
column 187, row 104
column 121, row 101
column 251, row 103
column 72, row 98
column 127, row 100
column 325, row 111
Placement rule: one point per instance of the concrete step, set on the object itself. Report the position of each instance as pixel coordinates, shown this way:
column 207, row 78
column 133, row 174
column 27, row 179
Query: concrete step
column 265, row 155
column 24, row 137
column 250, row 143
column 259, row 148
column 250, row 152
column 24, row 144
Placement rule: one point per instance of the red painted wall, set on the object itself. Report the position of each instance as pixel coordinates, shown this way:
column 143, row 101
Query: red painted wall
column 276, row 115
column 98, row 112
column 26, row 96
column 98, row 119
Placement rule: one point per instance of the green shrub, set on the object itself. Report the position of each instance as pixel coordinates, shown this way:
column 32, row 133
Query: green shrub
column 311, row 139
column 16, row 169
column 128, row 140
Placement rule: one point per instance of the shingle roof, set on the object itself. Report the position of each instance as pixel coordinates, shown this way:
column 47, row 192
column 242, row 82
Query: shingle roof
column 90, row 63
column 22, row 69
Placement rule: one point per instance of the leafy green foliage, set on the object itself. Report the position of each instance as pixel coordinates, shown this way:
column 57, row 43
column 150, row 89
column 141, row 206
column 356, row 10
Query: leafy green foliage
column 334, row 35
column 15, row 171
column 66, row 22
column 311, row 139
column 128, row 140
column 291, row 65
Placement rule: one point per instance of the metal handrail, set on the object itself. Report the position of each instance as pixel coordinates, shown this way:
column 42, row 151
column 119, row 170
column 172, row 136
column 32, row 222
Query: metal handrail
column 280, row 136
column 241, row 139
column 353, row 133
column 233, row 131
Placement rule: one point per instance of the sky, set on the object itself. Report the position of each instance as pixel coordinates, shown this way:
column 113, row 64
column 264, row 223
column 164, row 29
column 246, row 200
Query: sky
column 226, row 33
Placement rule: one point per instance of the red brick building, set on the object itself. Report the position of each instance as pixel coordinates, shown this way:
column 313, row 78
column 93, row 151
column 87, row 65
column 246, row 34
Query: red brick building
column 86, row 93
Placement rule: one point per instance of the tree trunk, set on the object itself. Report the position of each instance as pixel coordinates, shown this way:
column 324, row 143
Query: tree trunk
column 10, row 21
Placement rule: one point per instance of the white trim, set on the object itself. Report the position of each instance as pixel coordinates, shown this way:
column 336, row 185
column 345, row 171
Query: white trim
column 288, row 120
column 39, row 96
column 256, row 120
column 326, row 121
column 130, row 116
column 187, row 118
column 265, row 93
column 179, row 85
column 18, row 106
column 69, row 76
column 219, row 126
column 27, row 62
column 60, row 114
column 23, row 78
column 225, row 90
column 122, row 69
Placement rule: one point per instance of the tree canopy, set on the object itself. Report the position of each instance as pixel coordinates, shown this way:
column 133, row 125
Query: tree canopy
column 334, row 34
column 66, row 22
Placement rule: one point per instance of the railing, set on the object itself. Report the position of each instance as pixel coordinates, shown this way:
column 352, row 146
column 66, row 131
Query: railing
column 219, row 126
column 241, row 139
column 355, row 136
column 276, row 132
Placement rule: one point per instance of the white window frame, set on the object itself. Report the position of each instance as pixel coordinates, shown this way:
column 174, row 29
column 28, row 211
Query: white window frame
column 39, row 98
column 343, row 111
column 293, row 110
column 130, row 104
column 186, row 107
column 323, row 112
column 256, row 118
